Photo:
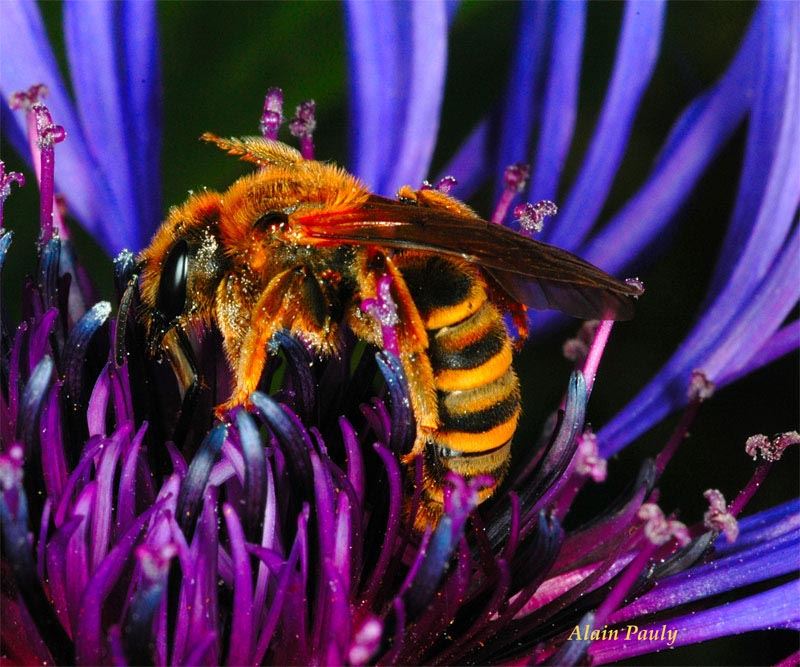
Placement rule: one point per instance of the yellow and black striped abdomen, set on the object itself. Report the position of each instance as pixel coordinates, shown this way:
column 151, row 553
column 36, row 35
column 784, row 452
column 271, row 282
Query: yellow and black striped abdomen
column 470, row 353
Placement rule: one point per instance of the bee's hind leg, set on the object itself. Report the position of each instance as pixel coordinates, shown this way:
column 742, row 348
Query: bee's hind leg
column 183, row 362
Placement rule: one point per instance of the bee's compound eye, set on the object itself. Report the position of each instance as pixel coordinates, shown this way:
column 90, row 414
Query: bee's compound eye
column 172, row 285
column 271, row 220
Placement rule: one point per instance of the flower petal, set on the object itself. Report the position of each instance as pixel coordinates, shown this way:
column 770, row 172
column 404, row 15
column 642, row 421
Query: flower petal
column 560, row 100
column 99, row 37
column 639, row 44
column 397, row 62
column 425, row 60
column 521, row 104
column 775, row 608
column 25, row 59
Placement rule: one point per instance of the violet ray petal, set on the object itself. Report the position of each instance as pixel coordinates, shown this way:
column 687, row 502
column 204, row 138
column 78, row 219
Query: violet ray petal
column 89, row 636
column 694, row 140
column 342, row 542
column 775, row 76
column 144, row 101
column 762, row 527
column 403, row 429
column 560, row 106
column 399, row 635
column 33, row 398
column 754, row 325
column 77, row 568
column 372, row 35
column 54, row 464
column 76, row 347
column 39, row 341
column 241, row 645
column 426, row 60
column 193, row 486
column 26, row 58
column 12, row 123
column 14, row 390
column 19, row 556
column 639, row 44
column 720, row 326
column 522, row 96
column 94, row 38
column 772, row 609
column 720, row 575
column 255, row 472
column 782, row 342
column 291, row 436
column 470, row 165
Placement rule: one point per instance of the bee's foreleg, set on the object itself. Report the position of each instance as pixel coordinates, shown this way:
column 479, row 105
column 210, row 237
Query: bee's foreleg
column 181, row 357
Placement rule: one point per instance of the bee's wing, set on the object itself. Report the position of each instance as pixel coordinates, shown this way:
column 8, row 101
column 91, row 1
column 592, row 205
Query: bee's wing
column 533, row 273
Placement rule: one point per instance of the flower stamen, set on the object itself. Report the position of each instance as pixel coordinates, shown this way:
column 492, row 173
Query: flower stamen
column 515, row 178
column 531, row 216
column 6, row 179
column 383, row 310
column 272, row 115
column 718, row 518
column 303, row 125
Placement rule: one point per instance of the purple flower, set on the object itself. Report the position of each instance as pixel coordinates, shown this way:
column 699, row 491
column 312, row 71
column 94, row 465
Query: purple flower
column 134, row 534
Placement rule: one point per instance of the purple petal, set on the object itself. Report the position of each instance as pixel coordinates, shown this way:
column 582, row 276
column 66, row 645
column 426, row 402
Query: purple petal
column 521, row 104
column 372, row 35
column 355, row 461
column 126, row 512
column 255, row 482
column 89, row 637
column 775, row 608
column 18, row 555
column 193, row 486
column 39, row 341
column 639, row 44
column 54, row 465
column 763, row 527
column 104, row 506
column 780, row 343
column 759, row 563
column 74, row 354
column 26, row 58
column 241, row 644
column 33, row 399
column 692, row 143
column 425, row 59
column 402, row 429
column 397, row 63
column 777, row 76
column 143, row 74
column 95, row 37
column 560, row 100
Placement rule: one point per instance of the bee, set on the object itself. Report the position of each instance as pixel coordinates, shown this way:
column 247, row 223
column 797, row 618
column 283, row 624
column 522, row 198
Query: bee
column 297, row 245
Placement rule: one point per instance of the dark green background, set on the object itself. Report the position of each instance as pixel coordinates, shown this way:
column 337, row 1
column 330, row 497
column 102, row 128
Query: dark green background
column 218, row 59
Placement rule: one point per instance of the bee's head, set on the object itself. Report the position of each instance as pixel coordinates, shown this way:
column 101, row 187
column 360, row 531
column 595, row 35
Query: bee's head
column 182, row 268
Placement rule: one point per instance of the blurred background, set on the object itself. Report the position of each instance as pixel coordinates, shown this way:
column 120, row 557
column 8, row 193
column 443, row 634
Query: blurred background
column 219, row 58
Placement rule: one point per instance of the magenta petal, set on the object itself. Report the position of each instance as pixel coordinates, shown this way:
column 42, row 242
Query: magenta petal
column 241, row 645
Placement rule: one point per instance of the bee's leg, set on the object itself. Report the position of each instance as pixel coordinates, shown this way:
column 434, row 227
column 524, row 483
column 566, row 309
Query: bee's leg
column 413, row 343
column 181, row 357
column 267, row 317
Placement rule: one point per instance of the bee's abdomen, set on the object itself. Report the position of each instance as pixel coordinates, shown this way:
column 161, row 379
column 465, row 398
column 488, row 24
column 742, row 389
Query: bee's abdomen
column 470, row 353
